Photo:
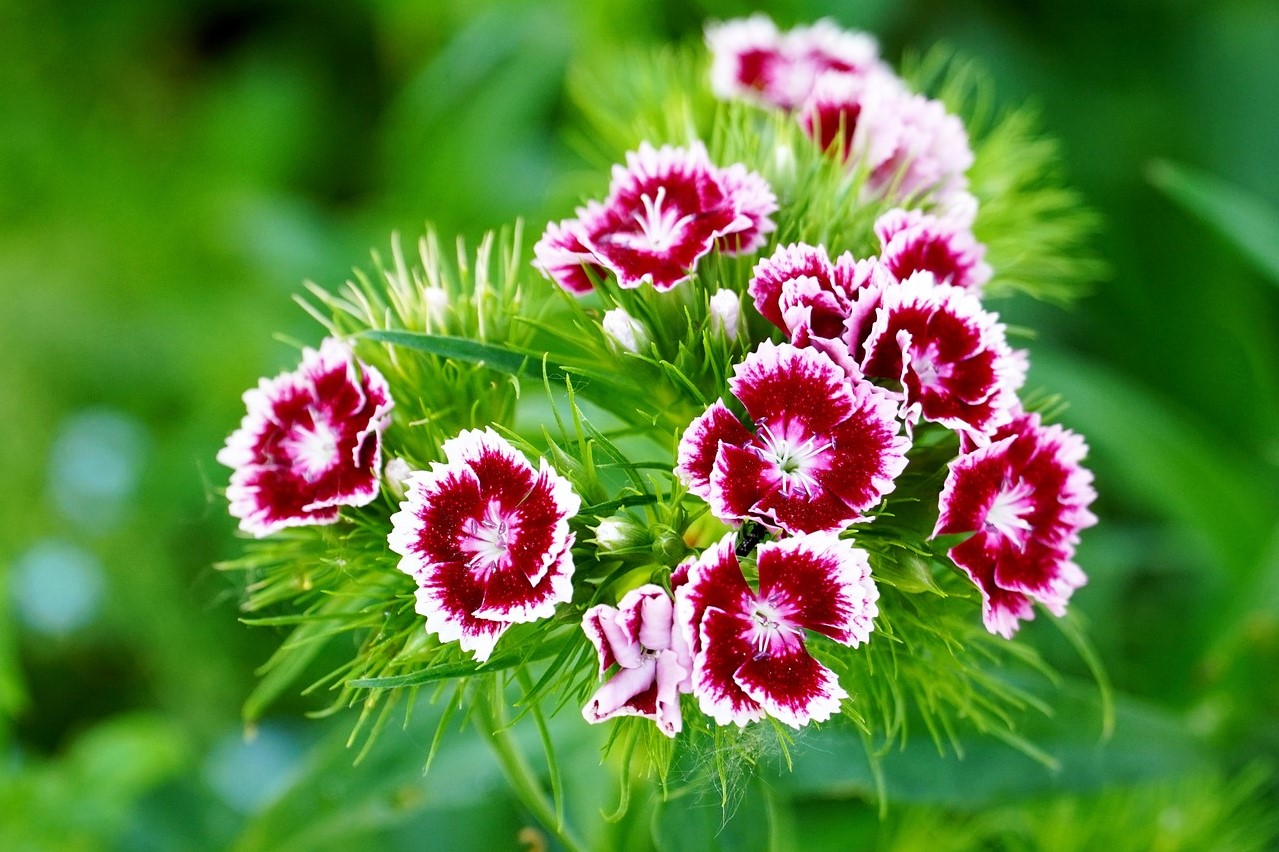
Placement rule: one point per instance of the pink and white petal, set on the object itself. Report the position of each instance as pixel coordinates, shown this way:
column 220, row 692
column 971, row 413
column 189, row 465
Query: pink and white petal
column 630, row 692
column 714, row 580
column 821, row 583
column 780, row 384
column 672, row 676
column 431, row 521
column 561, row 256
column 446, row 596
column 656, row 615
column 791, row 686
column 613, row 645
column 700, row 444
column 753, row 198
column 868, row 451
column 785, row 264
column 797, row 512
column 1002, row 610
column 725, row 646
column 738, row 482
column 508, row 595
column 746, row 58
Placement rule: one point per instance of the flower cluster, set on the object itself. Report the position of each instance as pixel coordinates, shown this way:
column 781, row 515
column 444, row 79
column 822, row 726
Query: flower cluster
column 809, row 398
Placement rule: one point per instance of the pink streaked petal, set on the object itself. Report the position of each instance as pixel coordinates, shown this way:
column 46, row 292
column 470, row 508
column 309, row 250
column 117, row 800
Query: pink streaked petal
column 746, row 57
column 714, row 580
column 786, row 264
column 791, row 686
column 821, row 583
column 700, row 444
column 781, row 384
column 868, row 452
column 630, row 692
column 724, row 647
column 446, row 599
column 798, row 512
column 431, row 520
column 912, row 241
column 739, row 481
column 510, row 596
column 599, row 623
column 931, row 151
column 561, row 256
column 753, row 198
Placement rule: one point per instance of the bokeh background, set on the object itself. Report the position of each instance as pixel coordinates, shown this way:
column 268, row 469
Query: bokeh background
column 171, row 172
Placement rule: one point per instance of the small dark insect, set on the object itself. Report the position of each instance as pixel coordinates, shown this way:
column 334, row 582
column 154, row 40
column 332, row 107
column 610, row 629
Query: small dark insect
column 751, row 535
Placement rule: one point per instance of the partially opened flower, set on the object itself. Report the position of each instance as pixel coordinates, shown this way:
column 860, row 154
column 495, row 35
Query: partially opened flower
column 751, row 59
column 750, row 656
column 664, row 212
column 913, row 241
column 487, row 539
column 823, row 448
column 856, row 117
column 949, row 354
column 561, row 256
column 931, row 152
column 724, row 310
column 652, row 659
column 1025, row 498
column 310, row 443
column 624, row 332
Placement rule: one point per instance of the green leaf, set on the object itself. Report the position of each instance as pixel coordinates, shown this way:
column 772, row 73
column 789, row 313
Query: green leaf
column 908, row 571
column 467, row 351
column 1242, row 219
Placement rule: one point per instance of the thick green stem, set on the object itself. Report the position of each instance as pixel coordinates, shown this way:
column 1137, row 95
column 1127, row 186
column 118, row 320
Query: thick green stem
column 491, row 721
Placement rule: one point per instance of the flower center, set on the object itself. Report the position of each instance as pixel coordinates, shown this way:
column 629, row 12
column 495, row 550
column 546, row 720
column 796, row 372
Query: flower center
column 661, row 228
column 488, row 540
column 1007, row 512
column 313, row 450
column 768, row 626
column 797, row 461
column 927, row 371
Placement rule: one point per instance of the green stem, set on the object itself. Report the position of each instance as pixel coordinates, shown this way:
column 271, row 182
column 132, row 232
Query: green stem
column 490, row 719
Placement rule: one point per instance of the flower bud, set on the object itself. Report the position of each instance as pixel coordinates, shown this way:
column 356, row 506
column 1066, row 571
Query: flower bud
column 625, row 332
column 726, row 314
column 396, row 473
column 615, row 534
column 668, row 545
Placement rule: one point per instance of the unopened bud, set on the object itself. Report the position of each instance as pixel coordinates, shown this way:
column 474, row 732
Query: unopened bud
column 668, row 546
column 397, row 473
column 625, row 332
column 726, row 314
column 615, row 534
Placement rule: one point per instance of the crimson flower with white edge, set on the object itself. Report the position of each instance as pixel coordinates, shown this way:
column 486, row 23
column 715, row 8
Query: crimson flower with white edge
column 666, row 209
column 652, row 659
column 1025, row 498
column 914, row 241
column 751, row 59
column 487, row 539
column 822, row 450
column 310, row 443
column 949, row 354
column 749, row 652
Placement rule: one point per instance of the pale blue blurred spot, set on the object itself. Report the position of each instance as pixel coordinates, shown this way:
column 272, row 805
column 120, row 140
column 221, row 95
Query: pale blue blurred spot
column 250, row 774
column 94, row 466
column 57, row 587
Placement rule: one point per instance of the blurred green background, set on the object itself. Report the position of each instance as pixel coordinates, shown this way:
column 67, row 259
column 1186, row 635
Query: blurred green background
column 170, row 172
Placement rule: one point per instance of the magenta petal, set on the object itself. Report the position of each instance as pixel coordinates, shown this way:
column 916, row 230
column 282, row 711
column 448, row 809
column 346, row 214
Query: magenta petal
column 753, row 198
column 780, row 384
column 700, row 444
column 791, row 686
column 561, row 256
column 714, row 580
column 723, row 638
column 739, row 481
column 821, row 583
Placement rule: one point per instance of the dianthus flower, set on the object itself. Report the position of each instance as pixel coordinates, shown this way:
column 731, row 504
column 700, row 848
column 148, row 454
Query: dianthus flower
column 748, row 646
column 666, row 209
column 914, row 241
column 1025, row 498
column 824, row 449
column 653, row 662
column 310, row 443
column 908, row 144
column 751, row 59
column 487, row 539
column 949, row 354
